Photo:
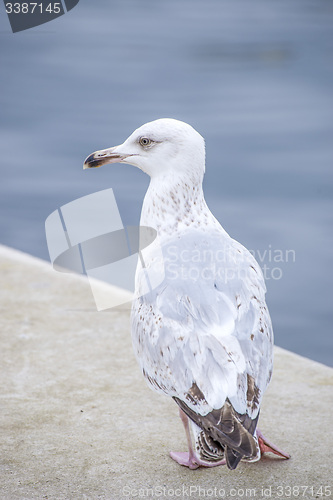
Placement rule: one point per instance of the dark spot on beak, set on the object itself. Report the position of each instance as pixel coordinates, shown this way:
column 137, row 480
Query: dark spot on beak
column 92, row 161
column 98, row 159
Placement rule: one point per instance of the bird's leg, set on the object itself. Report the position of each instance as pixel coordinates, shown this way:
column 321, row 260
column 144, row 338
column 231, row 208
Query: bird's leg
column 190, row 459
column 266, row 446
column 182, row 457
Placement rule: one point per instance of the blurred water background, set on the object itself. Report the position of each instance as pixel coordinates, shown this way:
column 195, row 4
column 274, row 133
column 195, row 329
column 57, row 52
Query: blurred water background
column 254, row 78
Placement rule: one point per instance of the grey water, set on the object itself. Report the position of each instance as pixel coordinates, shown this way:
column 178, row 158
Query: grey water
column 254, row 78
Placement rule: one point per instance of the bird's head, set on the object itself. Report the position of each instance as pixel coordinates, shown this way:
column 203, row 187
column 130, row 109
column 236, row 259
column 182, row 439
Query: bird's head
column 161, row 148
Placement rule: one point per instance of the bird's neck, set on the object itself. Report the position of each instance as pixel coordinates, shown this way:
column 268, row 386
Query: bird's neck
column 173, row 205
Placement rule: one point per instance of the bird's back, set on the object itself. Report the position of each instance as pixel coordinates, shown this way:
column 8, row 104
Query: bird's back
column 206, row 330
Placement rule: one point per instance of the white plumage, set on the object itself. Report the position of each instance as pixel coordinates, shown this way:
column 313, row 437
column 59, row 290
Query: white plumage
column 203, row 336
column 202, row 325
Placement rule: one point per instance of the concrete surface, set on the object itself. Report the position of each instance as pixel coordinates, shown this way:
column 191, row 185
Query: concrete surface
column 78, row 421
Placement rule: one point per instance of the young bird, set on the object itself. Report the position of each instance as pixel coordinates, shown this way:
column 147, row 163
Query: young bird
column 203, row 335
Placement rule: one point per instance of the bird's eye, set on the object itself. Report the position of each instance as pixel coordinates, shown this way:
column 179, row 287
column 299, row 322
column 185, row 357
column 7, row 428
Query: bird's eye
column 144, row 141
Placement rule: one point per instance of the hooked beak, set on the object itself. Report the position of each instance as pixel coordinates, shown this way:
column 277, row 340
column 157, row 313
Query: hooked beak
column 103, row 157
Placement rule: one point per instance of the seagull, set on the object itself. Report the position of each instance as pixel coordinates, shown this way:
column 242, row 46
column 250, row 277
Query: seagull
column 203, row 335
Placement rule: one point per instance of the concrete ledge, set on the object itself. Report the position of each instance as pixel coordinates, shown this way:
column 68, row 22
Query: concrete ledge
column 78, row 421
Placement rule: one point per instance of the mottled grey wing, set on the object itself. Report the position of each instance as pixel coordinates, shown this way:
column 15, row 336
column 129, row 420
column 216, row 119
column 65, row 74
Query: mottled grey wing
column 207, row 325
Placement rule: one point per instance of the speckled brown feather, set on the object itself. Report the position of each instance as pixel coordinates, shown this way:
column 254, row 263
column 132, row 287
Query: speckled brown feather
column 228, row 430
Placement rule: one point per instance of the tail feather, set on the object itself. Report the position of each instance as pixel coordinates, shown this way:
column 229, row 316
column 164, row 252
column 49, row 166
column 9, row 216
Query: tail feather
column 232, row 457
column 223, row 432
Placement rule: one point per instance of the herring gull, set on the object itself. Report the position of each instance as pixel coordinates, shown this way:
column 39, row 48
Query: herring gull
column 203, row 336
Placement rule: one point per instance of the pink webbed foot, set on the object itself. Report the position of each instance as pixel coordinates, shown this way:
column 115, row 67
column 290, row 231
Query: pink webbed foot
column 183, row 458
column 191, row 461
column 267, row 446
